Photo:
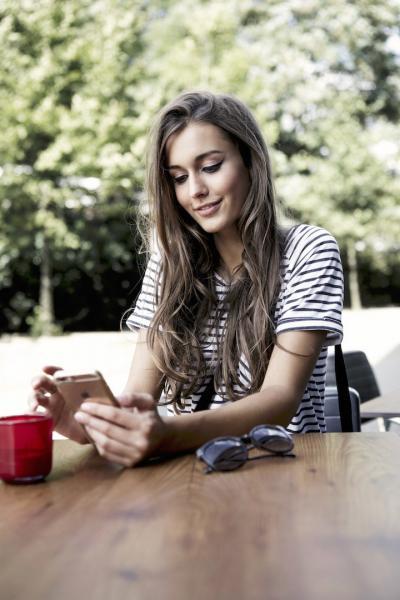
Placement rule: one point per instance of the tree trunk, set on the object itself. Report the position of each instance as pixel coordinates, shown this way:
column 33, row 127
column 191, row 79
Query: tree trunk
column 46, row 292
column 354, row 287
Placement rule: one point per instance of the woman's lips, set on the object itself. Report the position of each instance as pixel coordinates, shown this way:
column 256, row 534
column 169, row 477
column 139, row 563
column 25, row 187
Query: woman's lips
column 209, row 209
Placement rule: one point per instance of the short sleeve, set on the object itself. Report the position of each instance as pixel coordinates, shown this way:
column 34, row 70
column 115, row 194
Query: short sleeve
column 311, row 296
column 146, row 303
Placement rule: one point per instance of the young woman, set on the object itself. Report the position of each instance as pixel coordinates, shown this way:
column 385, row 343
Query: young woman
column 232, row 306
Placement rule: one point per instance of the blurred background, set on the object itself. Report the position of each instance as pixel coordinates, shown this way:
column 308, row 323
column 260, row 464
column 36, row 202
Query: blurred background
column 81, row 81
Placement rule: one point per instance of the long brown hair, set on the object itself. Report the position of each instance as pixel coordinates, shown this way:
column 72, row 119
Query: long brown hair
column 189, row 258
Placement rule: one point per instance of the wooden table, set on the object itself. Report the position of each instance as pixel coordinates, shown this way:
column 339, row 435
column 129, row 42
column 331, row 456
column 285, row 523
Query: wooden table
column 386, row 406
column 325, row 525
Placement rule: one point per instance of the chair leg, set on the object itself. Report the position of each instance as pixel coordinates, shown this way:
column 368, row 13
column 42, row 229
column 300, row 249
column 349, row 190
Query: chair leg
column 383, row 424
column 393, row 424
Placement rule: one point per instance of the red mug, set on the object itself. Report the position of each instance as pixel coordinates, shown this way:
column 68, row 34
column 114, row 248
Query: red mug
column 25, row 448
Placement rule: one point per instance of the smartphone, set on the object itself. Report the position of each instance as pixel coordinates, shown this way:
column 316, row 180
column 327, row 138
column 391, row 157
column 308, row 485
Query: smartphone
column 78, row 387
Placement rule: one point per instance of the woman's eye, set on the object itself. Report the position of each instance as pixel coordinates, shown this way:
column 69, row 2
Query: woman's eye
column 180, row 179
column 213, row 168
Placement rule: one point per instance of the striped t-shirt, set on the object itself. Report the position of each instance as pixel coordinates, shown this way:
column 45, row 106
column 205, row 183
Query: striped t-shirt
column 310, row 298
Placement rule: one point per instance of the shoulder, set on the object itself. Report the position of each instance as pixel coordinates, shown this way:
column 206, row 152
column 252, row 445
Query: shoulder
column 153, row 266
column 304, row 240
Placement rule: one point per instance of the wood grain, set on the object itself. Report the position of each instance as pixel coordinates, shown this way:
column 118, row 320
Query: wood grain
column 323, row 525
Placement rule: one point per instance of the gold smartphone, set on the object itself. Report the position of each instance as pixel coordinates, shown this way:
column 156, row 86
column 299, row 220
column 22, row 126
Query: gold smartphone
column 78, row 387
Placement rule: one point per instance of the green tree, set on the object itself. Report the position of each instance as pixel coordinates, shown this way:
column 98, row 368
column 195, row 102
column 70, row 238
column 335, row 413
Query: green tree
column 82, row 80
column 323, row 81
column 69, row 129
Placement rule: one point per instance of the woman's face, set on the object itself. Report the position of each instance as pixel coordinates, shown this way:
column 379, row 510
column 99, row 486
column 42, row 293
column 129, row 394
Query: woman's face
column 210, row 179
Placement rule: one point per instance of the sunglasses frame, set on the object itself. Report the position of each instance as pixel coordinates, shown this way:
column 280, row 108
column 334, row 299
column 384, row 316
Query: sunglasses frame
column 246, row 443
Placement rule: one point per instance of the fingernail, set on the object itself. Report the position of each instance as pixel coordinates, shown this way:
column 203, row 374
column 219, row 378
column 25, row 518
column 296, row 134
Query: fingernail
column 86, row 405
column 79, row 416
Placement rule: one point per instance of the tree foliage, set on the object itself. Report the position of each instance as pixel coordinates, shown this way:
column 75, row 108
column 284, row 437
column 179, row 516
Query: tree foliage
column 82, row 80
column 70, row 164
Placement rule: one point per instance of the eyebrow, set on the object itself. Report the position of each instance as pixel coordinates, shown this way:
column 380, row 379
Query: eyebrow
column 197, row 158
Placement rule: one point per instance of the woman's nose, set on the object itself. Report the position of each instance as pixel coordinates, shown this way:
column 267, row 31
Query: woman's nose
column 197, row 187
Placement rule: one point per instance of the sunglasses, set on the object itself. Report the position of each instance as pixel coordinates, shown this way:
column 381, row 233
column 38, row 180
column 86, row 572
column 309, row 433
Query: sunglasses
column 229, row 452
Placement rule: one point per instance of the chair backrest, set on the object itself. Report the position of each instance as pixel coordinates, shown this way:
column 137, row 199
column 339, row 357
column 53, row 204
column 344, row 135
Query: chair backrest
column 359, row 374
column 332, row 413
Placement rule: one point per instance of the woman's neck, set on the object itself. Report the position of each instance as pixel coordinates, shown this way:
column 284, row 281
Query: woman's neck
column 230, row 249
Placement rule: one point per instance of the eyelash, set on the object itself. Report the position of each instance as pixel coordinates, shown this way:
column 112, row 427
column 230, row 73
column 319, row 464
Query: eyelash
column 210, row 169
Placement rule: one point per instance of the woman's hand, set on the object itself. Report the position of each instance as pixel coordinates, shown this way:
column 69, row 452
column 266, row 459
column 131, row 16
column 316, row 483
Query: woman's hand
column 45, row 394
column 124, row 435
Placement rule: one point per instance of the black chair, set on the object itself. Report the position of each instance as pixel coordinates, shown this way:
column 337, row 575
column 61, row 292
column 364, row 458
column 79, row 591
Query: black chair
column 359, row 374
column 332, row 413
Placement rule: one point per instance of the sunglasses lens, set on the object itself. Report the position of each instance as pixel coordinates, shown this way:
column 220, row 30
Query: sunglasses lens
column 224, row 454
column 274, row 439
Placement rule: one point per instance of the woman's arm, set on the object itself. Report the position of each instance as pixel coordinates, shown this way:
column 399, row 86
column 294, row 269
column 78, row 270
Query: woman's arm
column 276, row 402
column 126, row 436
column 144, row 376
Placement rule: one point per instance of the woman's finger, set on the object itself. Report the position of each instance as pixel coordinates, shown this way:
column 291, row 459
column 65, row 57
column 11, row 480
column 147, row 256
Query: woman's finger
column 101, row 427
column 44, row 383
column 132, row 437
column 117, row 416
column 140, row 401
column 33, row 404
column 38, row 399
column 113, row 450
column 105, row 444
column 51, row 369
